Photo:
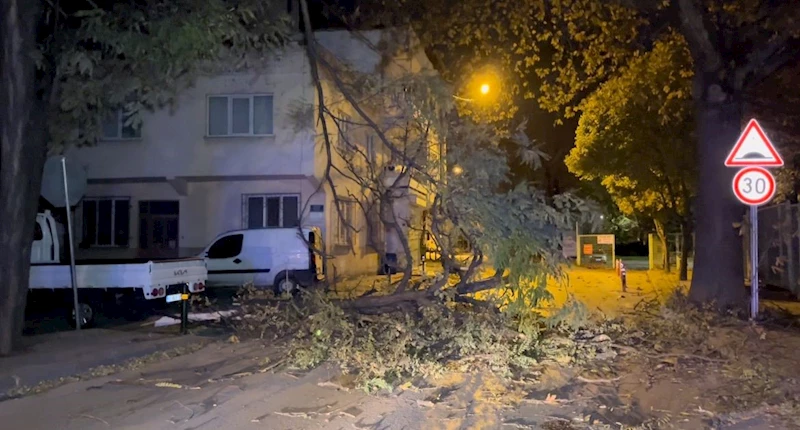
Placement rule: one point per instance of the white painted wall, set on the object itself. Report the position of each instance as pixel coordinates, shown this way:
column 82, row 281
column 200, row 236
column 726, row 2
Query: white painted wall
column 175, row 142
column 216, row 207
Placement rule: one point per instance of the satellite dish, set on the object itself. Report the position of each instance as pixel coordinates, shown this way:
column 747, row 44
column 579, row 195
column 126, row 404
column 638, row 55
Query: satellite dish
column 53, row 182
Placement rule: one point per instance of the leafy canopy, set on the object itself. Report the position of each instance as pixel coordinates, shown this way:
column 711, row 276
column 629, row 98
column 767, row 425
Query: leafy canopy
column 552, row 51
column 635, row 133
column 125, row 55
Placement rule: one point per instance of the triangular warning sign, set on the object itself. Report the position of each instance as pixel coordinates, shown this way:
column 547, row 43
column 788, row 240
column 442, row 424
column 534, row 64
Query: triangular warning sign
column 753, row 149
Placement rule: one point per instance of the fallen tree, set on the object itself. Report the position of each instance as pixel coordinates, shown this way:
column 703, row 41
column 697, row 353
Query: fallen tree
column 407, row 124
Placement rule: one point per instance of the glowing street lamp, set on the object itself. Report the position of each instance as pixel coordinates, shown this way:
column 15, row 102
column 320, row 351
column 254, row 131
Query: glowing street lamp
column 485, row 88
column 457, row 170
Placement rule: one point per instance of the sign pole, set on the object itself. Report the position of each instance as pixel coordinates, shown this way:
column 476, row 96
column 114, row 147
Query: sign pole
column 754, row 186
column 71, row 248
column 753, row 262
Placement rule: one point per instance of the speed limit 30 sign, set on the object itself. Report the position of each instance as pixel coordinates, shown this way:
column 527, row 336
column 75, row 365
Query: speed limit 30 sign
column 754, row 186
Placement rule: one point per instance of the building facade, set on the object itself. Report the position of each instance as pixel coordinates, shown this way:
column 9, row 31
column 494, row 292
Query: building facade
column 239, row 150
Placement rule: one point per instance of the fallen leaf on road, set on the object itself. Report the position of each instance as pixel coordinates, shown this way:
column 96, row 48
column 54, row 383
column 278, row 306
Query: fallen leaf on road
column 168, row 385
column 551, row 399
column 425, row 403
column 670, row 360
column 293, row 414
column 332, row 385
column 174, row 385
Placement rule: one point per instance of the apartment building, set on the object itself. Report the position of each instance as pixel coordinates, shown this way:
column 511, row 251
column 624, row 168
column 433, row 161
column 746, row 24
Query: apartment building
column 241, row 149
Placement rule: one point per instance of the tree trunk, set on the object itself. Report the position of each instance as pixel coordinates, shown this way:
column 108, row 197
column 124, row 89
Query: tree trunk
column 686, row 239
column 718, row 270
column 22, row 154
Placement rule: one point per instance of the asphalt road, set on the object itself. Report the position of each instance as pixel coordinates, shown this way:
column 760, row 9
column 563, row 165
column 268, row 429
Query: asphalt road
column 635, row 263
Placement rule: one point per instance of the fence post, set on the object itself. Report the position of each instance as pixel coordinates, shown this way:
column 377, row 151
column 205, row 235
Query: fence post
column 614, row 249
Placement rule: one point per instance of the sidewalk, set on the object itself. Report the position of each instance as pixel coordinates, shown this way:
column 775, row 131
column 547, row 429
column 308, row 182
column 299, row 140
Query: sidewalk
column 58, row 355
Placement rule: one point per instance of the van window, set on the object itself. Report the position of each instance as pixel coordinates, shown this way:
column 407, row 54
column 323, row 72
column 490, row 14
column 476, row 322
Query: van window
column 37, row 232
column 226, row 247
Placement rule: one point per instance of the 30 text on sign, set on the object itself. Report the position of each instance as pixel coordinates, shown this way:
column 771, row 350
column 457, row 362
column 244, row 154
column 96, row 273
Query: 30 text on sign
column 754, row 186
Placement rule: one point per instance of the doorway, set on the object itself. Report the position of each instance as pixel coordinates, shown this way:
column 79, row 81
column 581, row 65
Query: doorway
column 158, row 228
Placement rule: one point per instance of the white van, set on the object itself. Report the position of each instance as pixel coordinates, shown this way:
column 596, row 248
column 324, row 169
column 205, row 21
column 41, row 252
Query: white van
column 267, row 257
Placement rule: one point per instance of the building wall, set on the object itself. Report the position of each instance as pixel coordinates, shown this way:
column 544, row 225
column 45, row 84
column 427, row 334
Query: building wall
column 175, row 159
column 209, row 208
column 357, row 51
column 175, row 142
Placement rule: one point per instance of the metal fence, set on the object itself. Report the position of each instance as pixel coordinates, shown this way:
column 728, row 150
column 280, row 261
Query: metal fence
column 596, row 250
column 778, row 247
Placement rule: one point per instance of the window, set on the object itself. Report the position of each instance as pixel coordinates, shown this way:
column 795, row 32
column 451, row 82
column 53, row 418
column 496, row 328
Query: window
column 114, row 127
column 264, row 210
column 106, row 221
column 226, row 247
column 376, row 229
column 344, row 223
column 343, row 128
column 240, row 115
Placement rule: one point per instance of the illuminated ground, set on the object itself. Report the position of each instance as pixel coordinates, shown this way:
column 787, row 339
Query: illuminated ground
column 601, row 290
column 232, row 386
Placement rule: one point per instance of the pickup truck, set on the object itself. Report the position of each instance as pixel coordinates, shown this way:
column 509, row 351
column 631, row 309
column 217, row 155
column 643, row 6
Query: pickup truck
column 104, row 281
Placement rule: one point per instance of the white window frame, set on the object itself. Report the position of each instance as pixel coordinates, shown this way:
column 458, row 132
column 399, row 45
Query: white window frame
column 342, row 233
column 120, row 126
column 246, row 209
column 230, row 98
column 97, row 201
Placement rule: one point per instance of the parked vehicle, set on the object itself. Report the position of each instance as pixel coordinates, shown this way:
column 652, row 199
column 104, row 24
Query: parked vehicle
column 599, row 257
column 279, row 258
column 103, row 281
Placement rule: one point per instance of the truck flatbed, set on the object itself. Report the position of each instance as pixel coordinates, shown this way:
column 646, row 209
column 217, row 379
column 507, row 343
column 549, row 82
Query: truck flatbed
column 97, row 279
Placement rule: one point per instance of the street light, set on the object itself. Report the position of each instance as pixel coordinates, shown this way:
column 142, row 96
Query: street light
column 485, row 89
column 457, row 170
